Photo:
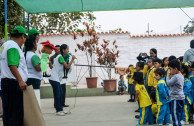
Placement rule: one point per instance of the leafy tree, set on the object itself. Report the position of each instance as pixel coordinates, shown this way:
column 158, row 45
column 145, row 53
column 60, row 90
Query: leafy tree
column 50, row 23
column 15, row 16
column 189, row 28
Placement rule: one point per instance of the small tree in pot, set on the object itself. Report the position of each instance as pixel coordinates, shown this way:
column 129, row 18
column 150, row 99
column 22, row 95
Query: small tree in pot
column 107, row 55
column 89, row 47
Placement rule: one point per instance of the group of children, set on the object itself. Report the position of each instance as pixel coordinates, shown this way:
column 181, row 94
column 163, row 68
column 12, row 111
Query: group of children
column 162, row 87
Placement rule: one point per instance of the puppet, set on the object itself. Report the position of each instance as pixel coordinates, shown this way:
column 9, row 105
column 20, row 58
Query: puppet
column 46, row 51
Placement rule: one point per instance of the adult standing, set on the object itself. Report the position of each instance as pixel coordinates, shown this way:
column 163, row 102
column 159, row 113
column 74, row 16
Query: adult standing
column 33, row 65
column 14, row 75
column 63, row 84
column 56, row 78
column 189, row 54
column 145, row 57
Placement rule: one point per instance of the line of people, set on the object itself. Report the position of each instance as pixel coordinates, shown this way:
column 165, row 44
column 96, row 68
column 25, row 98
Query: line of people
column 162, row 87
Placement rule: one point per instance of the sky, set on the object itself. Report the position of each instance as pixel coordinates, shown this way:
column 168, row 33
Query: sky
column 161, row 21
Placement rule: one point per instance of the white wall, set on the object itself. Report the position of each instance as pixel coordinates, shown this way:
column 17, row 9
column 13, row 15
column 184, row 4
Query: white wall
column 129, row 47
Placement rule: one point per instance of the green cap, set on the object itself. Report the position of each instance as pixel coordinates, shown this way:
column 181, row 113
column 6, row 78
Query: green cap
column 33, row 31
column 19, row 29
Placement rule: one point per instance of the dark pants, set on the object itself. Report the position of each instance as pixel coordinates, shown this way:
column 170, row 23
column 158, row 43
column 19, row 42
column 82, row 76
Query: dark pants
column 177, row 107
column 2, row 106
column 149, row 89
column 34, row 82
column 13, row 102
column 57, row 92
column 63, row 87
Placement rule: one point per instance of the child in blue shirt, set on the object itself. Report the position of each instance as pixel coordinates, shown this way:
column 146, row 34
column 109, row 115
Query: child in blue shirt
column 162, row 98
column 191, row 77
column 122, row 85
column 188, row 94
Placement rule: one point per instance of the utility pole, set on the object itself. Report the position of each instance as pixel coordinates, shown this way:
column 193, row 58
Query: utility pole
column 148, row 31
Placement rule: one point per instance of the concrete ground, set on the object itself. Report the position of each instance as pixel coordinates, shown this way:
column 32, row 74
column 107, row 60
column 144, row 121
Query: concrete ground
column 92, row 111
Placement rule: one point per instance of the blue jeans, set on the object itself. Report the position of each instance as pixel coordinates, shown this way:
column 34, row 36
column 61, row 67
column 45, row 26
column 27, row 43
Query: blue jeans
column 58, row 93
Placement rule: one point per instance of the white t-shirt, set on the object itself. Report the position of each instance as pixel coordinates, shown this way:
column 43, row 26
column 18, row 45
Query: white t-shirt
column 57, row 71
column 22, row 67
column 32, row 60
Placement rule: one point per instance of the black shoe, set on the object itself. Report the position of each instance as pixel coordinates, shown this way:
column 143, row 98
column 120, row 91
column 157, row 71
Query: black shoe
column 130, row 100
column 137, row 116
column 137, row 110
column 133, row 100
column 65, row 105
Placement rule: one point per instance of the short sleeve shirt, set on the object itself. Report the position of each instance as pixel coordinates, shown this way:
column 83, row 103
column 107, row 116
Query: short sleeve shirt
column 11, row 54
column 57, row 71
column 144, row 98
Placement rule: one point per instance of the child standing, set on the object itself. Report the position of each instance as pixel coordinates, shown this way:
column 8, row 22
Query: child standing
column 122, row 86
column 162, row 98
column 140, row 68
column 187, row 93
column 131, row 85
column 165, row 63
column 144, row 100
column 150, row 76
column 153, row 81
column 191, row 77
column 176, row 91
column 154, row 106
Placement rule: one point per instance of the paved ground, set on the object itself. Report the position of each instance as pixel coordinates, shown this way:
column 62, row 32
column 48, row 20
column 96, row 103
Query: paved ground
column 92, row 111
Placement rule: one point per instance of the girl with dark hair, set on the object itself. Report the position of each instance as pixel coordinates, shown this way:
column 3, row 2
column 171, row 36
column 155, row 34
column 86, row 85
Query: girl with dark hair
column 56, row 78
column 143, row 98
column 188, row 94
column 33, row 65
column 165, row 63
column 144, row 56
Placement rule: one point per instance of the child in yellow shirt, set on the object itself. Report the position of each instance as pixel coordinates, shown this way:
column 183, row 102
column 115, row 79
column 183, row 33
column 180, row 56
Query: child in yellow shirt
column 131, row 85
column 144, row 100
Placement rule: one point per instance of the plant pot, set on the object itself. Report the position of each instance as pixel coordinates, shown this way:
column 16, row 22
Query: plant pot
column 110, row 85
column 91, row 82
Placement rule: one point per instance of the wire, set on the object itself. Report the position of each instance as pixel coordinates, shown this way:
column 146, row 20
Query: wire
column 186, row 14
column 69, row 112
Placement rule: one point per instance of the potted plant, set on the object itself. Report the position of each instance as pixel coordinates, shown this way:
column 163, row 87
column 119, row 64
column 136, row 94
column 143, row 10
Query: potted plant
column 107, row 55
column 89, row 47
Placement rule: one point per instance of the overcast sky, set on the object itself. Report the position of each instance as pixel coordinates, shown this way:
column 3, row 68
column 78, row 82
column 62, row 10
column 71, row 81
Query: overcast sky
column 136, row 21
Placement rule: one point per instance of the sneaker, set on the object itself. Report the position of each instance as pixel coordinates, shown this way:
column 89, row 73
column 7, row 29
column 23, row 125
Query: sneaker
column 137, row 110
column 170, row 125
column 119, row 92
column 159, row 124
column 137, row 116
column 60, row 113
column 130, row 100
column 184, row 123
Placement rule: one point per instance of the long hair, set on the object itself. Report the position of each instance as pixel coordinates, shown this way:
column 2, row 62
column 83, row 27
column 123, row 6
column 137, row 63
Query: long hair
column 29, row 44
column 63, row 47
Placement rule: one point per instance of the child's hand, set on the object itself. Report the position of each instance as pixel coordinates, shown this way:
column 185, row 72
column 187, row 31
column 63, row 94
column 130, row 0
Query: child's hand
column 167, row 98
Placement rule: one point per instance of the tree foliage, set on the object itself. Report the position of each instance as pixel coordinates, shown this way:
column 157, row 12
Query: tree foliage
column 50, row 23
column 189, row 28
